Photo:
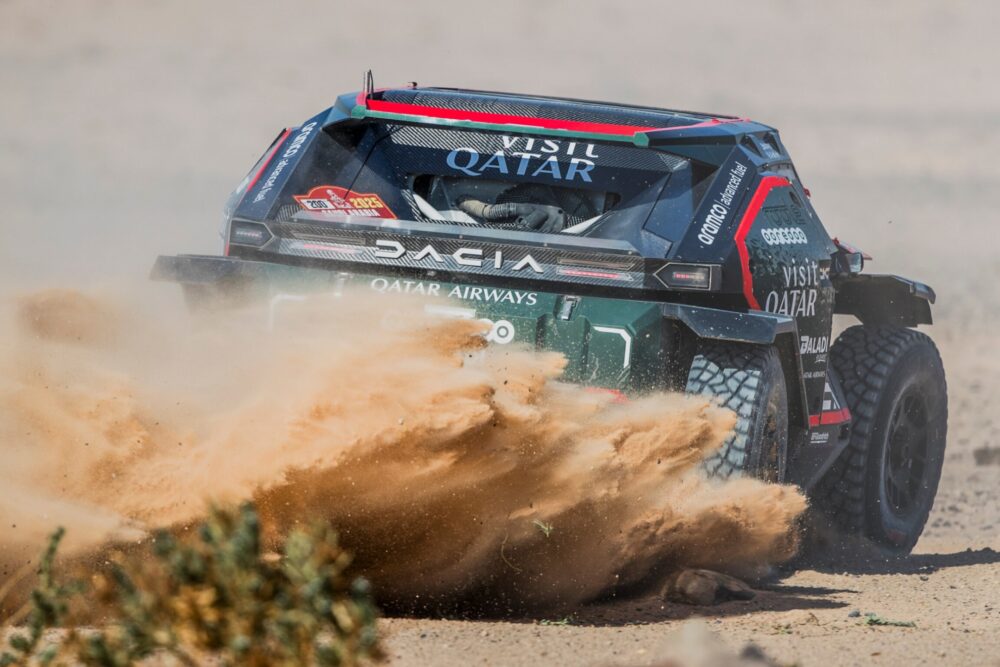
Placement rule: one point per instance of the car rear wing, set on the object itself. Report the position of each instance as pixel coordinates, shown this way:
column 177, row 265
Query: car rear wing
column 370, row 106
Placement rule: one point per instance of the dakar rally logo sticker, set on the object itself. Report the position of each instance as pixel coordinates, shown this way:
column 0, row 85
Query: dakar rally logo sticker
column 331, row 199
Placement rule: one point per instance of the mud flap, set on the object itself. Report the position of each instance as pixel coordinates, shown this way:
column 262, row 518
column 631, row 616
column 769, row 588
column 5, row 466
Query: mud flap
column 829, row 433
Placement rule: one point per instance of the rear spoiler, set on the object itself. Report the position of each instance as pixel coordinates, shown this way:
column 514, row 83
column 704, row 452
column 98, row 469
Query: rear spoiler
column 369, row 106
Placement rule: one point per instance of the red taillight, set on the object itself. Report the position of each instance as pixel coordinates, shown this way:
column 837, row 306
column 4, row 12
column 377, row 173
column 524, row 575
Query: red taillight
column 686, row 276
column 618, row 396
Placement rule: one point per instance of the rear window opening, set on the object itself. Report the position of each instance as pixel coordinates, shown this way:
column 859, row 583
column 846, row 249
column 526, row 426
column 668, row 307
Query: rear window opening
column 412, row 172
column 526, row 206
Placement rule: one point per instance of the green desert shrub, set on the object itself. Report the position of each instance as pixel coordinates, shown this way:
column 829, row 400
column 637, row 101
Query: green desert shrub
column 215, row 596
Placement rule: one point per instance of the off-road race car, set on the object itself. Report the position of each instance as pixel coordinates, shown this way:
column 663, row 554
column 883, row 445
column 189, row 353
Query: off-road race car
column 656, row 249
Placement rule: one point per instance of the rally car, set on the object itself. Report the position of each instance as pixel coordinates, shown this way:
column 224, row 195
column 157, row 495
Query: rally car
column 656, row 249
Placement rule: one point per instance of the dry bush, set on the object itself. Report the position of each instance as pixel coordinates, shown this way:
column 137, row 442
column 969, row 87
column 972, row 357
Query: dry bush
column 213, row 596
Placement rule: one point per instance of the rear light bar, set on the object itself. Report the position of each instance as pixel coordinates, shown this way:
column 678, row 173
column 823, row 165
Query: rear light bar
column 593, row 268
column 595, row 273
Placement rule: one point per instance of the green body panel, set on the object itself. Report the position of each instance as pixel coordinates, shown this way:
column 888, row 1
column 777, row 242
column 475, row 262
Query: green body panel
column 613, row 343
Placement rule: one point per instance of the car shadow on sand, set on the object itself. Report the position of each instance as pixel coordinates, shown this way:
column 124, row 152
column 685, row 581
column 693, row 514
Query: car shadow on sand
column 775, row 597
column 640, row 608
column 772, row 595
column 873, row 561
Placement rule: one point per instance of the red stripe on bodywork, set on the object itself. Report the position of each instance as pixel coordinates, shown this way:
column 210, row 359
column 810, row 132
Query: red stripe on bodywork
column 363, row 97
column 256, row 177
column 767, row 184
column 830, row 417
column 406, row 109
column 270, row 156
column 503, row 119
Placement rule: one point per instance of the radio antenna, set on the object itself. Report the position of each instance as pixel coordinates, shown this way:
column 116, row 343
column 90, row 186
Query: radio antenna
column 369, row 84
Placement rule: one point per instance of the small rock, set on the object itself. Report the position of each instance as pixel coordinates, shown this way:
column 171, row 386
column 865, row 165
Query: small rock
column 753, row 652
column 854, row 614
column 986, row 456
column 704, row 587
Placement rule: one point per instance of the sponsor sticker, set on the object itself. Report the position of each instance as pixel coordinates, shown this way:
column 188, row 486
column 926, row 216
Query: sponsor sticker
column 814, row 344
column 462, row 292
column 798, row 297
column 335, row 200
column 286, row 158
column 784, row 236
column 501, row 331
column 721, row 205
column 528, row 156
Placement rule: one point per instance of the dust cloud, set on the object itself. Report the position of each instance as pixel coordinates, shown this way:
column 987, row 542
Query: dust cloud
column 453, row 470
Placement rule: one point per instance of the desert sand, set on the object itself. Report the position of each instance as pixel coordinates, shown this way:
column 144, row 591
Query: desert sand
column 123, row 126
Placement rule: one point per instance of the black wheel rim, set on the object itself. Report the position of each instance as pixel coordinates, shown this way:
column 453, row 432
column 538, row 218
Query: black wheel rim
column 906, row 451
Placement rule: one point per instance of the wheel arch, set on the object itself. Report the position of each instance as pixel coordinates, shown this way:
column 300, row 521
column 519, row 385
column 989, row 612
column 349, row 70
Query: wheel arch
column 754, row 328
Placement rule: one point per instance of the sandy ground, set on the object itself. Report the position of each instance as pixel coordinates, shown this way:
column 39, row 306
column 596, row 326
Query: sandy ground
column 124, row 124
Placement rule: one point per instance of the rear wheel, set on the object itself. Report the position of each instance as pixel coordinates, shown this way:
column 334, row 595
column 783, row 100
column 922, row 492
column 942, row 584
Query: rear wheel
column 749, row 380
column 884, row 483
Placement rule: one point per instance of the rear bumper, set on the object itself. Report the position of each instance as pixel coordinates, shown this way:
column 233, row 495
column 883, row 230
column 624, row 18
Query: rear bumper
column 625, row 344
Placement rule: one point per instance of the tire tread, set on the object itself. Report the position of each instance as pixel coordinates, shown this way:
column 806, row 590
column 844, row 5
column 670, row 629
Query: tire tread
column 733, row 374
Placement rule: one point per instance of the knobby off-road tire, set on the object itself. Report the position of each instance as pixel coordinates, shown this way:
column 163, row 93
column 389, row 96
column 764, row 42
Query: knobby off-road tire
column 749, row 380
column 883, row 485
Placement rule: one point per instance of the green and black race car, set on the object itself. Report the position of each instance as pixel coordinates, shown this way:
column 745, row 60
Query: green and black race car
column 656, row 249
